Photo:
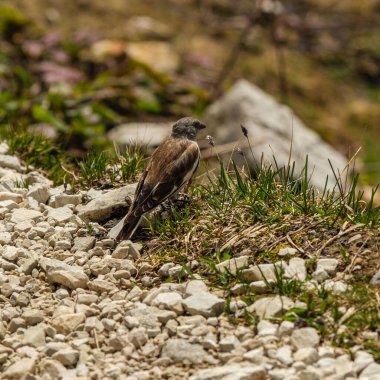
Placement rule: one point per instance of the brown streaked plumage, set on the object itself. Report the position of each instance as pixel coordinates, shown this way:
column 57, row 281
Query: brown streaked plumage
column 171, row 166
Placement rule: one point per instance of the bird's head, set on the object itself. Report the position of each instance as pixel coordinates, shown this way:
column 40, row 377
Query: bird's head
column 187, row 128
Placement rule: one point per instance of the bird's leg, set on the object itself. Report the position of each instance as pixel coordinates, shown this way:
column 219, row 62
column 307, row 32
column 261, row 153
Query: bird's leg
column 187, row 186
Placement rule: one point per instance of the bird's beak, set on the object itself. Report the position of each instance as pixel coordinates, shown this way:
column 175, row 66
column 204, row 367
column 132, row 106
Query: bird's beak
column 201, row 126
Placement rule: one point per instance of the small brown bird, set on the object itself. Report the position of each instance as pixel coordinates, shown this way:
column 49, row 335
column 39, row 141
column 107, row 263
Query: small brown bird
column 171, row 166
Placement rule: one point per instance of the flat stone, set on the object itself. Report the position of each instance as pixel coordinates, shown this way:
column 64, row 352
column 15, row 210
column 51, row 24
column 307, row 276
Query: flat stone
column 62, row 199
column 33, row 316
column 67, row 356
column 371, row 370
column 305, row 337
column 127, row 249
column 260, row 272
column 205, row 304
column 8, row 196
column 19, row 369
column 34, row 336
column 67, row 323
column 39, row 192
column 296, row 269
column 287, row 251
column 328, row 265
column 231, row 372
column 70, row 276
column 180, row 350
column 83, row 243
column 194, row 287
column 10, row 162
column 60, row 214
column 5, row 238
column 308, row 355
column 23, row 214
column 9, row 205
column 233, row 265
column 104, row 206
column 169, row 301
column 229, row 343
column 269, row 307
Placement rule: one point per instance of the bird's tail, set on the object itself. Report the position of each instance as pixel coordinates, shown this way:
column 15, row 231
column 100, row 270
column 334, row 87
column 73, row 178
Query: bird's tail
column 131, row 222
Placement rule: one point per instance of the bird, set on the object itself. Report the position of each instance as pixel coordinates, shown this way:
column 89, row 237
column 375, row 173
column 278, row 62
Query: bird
column 170, row 168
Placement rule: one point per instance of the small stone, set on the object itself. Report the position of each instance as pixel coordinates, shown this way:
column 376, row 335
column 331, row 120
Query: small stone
column 296, row 269
column 83, row 243
column 34, row 336
column 288, row 251
column 32, row 316
column 8, row 196
column 5, row 238
column 261, row 287
column 231, row 372
column 205, row 304
column 371, row 370
column 70, row 276
column 336, row 287
column 194, row 287
column 19, row 369
column 39, row 192
column 308, row 355
column 138, row 337
column 23, row 214
column 261, row 272
column 59, row 215
column 304, row 338
column 320, row 275
column 284, row 355
column 9, row 205
column 67, row 356
column 328, row 265
column 229, row 343
column 362, row 360
column 233, row 265
column 169, row 301
column 271, row 306
column 67, row 323
column 180, row 350
column 10, row 162
column 164, row 270
column 62, row 199
column 285, row 328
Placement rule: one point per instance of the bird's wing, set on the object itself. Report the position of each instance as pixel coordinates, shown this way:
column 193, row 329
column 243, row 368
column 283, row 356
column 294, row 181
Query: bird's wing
column 171, row 166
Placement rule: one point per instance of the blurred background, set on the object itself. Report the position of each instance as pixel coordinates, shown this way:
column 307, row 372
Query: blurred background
column 75, row 70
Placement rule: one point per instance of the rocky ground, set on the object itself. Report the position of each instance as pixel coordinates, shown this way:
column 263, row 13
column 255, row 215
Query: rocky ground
column 75, row 305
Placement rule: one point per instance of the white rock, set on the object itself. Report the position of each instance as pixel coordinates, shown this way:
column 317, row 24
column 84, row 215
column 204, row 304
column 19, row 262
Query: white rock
column 274, row 128
column 170, row 301
column 320, row 275
column 205, row 304
column 9, row 205
column 34, row 336
column 60, row 214
column 362, row 360
column 19, row 369
column 255, row 356
column 70, row 276
column 285, row 328
column 229, row 343
column 39, row 192
column 180, row 350
column 261, row 287
column 67, row 323
column 284, row 355
column 233, row 265
column 83, row 243
column 260, row 272
column 305, row 337
column 344, row 366
column 269, row 307
column 308, row 355
column 310, row 373
column 195, row 287
column 231, row 372
column 296, row 269
column 266, row 328
column 23, row 214
column 336, row 287
column 104, row 205
column 8, row 196
column 288, row 251
column 10, row 162
column 4, row 147
column 5, row 238
column 127, row 249
column 371, row 370
column 62, row 199
column 328, row 265
column 67, row 356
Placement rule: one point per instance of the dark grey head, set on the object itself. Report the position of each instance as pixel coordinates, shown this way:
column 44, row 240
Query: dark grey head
column 187, row 128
